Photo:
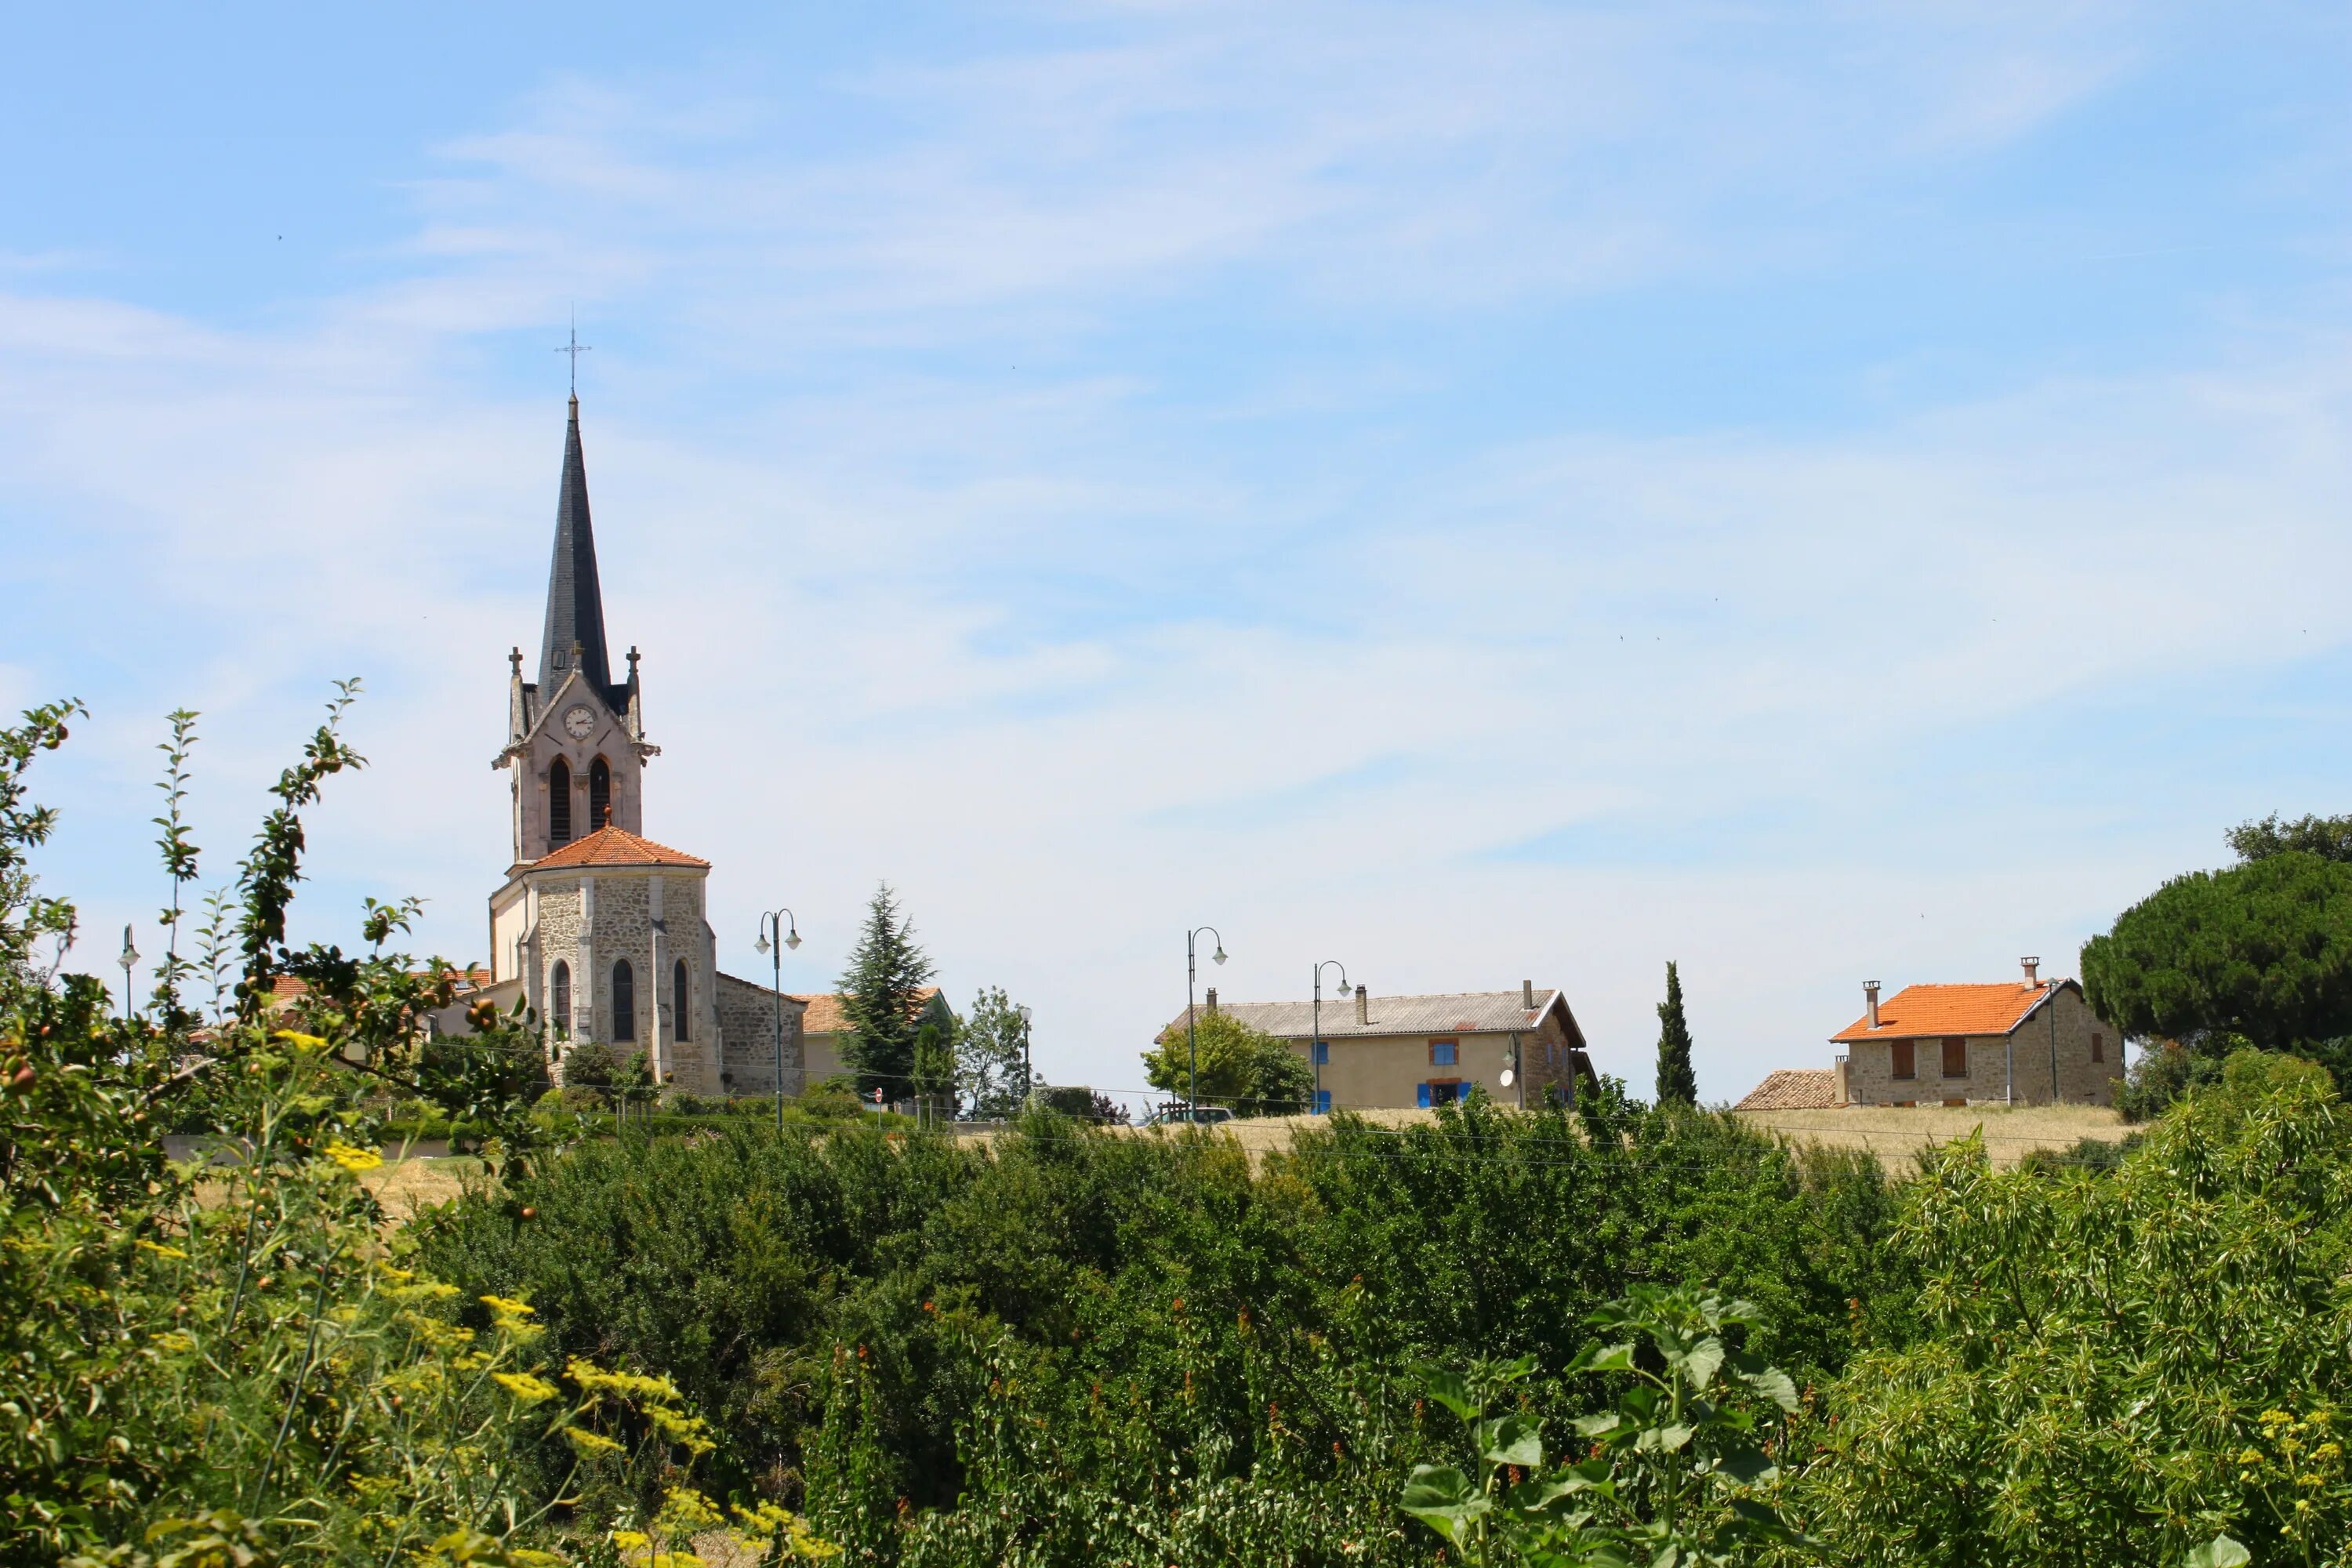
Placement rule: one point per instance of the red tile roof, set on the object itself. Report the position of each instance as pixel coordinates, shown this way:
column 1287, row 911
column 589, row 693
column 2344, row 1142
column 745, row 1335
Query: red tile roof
column 1795, row 1088
column 1918, row 1011
column 825, row 1015
column 616, row 846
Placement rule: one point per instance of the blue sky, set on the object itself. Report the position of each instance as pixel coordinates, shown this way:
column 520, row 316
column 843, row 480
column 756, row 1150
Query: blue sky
column 1480, row 492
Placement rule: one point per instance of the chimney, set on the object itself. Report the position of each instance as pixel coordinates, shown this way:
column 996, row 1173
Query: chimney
column 1363, row 1006
column 1212, row 998
column 2033, row 968
column 1869, row 1001
column 1528, row 994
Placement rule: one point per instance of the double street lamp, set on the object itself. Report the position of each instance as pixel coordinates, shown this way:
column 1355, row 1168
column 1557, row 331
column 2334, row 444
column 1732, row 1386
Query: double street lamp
column 1191, row 1039
column 785, row 927
column 1315, row 1044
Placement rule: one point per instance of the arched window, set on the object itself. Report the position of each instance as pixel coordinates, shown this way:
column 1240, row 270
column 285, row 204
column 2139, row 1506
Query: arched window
column 681, row 1003
column 559, row 805
column 624, row 1001
column 600, row 795
column 560, row 1007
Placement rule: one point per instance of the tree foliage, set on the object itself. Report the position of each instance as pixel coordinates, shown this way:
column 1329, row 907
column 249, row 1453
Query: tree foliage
column 2329, row 837
column 2263, row 949
column 992, row 1056
column 881, row 997
column 1238, row 1066
column 1677, row 1081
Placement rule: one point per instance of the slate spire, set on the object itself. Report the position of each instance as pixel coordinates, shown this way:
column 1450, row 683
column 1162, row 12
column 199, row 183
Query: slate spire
column 575, row 607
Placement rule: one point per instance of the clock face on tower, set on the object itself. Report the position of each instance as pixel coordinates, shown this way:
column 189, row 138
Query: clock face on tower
column 579, row 722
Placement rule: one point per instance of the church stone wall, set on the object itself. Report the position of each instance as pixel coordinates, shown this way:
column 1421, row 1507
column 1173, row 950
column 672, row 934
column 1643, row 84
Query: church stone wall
column 747, row 1024
column 623, row 929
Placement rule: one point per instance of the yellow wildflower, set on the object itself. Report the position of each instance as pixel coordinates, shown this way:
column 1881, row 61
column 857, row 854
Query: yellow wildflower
column 523, row 1387
column 299, row 1041
column 631, row 1539
column 507, row 1307
column 159, row 1249
column 586, row 1442
column 686, row 1509
column 353, row 1160
column 2250, row 1457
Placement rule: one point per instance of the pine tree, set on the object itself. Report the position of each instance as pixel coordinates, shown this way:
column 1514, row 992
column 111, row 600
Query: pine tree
column 1677, row 1083
column 881, row 998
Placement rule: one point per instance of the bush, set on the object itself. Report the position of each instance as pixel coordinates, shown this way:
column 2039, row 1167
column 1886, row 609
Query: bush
column 2116, row 1368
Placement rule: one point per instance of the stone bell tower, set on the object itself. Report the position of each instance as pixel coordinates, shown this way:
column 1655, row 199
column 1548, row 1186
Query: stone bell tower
column 575, row 738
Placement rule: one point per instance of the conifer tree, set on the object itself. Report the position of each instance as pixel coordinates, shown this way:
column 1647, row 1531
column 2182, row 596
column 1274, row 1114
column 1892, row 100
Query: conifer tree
column 881, row 998
column 1677, row 1083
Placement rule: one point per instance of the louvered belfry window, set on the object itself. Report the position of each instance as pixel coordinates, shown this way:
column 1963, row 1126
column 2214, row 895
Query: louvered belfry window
column 600, row 795
column 624, row 1001
column 559, row 805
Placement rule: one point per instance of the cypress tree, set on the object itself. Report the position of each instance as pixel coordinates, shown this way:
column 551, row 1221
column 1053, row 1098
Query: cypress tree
column 881, row 999
column 1677, row 1083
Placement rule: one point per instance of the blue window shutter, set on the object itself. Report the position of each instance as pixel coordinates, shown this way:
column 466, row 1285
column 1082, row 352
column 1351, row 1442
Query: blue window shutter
column 1322, row 1102
column 1421, row 1092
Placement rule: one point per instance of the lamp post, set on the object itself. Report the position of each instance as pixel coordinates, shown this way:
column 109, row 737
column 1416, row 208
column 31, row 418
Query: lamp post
column 1191, row 1035
column 130, row 957
column 1028, row 1072
column 785, row 928
column 1315, row 1045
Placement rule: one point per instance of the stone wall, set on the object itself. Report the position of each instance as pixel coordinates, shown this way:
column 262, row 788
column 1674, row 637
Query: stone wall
column 2066, row 1022
column 747, row 1030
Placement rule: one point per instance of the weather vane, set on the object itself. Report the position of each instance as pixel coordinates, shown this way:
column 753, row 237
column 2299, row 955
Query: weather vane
column 575, row 348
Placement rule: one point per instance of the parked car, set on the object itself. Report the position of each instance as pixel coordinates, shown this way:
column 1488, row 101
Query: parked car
column 1194, row 1115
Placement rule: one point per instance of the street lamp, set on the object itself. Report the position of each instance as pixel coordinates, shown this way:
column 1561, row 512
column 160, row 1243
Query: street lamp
column 782, row 925
column 1028, row 1072
column 1191, row 1040
column 130, row 957
column 1315, row 1044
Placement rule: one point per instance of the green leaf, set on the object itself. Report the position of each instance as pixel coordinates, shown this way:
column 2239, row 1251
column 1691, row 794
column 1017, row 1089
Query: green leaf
column 1443, row 1499
column 1448, row 1388
column 1542, row 1497
column 2218, row 1553
column 1511, row 1440
column 1747, row 1467
column 1594, row 1426
column 1703, row 1360
column 1602, row 1358
column 1774, row 1384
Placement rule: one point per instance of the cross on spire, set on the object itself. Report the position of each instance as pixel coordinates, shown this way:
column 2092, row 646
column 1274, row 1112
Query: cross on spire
column 575, row 348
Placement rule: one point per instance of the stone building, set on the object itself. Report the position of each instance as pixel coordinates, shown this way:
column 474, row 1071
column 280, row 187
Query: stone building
column 1401, row 1052
column 2026, row 1042
column 601, row 929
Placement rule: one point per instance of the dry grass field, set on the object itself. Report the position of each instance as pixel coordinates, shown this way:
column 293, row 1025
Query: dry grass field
column 403, row 1186
column 1896, row 1134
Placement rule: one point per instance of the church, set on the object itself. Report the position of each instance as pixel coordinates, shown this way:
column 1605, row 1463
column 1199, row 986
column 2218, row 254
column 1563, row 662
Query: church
column 599, row 930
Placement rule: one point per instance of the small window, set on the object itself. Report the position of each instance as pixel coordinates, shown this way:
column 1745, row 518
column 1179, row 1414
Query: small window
column 559, row 805
column 624, row 1001
column 1444, row 1090
column 1956, row 1058
column 1444, row 1053
column 681, row 1003
column 600, row 795
column 1905, row 1066
column 560, row 1006
column 1322, row 1102
column 2098, row 1047
column 1321, row 1054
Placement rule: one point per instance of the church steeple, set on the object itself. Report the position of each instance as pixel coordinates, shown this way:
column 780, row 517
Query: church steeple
column 576, row 607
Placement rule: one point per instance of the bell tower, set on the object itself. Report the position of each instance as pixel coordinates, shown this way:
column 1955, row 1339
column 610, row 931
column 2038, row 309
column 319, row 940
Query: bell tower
column 575, row 738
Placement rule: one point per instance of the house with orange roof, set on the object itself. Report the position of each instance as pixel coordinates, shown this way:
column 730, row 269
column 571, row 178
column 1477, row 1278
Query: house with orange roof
column 2028, row 1041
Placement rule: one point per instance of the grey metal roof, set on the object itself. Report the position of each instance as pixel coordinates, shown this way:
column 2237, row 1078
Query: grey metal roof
column 1452, row 1013
column 575, row 605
